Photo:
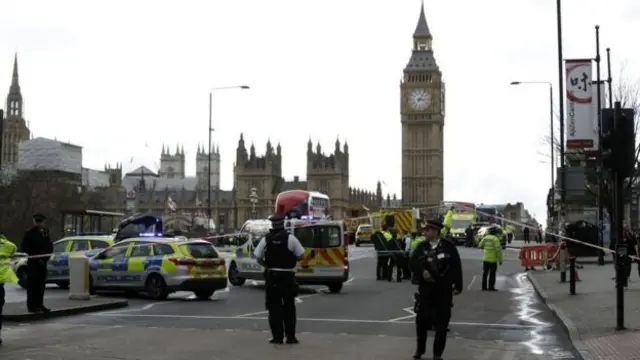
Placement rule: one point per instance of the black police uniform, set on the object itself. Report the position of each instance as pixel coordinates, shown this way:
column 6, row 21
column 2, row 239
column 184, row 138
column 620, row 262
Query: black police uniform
column 395, row 260
column 281, row 288
column 36, row 241
column 382, row 259
column 434, row 300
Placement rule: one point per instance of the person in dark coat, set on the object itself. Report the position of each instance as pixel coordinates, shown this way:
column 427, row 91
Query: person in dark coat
column 525, row 234
column 629, row 240
column 379, row 244
column 37, row 244
column 438, row 270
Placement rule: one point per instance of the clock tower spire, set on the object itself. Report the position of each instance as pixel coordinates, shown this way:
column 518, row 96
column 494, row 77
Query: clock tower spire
column 422, row 120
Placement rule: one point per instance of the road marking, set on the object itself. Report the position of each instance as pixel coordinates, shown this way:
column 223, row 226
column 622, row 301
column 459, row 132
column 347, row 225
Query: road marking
column 252, row 314
column 362, row 321
column 473, row 280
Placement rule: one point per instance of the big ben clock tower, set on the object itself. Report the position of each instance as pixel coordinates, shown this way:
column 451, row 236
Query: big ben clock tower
column 422, row 118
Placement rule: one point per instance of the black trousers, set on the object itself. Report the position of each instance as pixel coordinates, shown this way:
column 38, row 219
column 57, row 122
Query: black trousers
column 281, row 290
column 489, row 270
column 381, row 266
column 2, row 295
column 394, row 262
column 36, row 283
column 436, row 318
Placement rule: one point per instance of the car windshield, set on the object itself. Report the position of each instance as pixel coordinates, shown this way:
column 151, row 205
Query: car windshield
column 460, row 224
column 201, row 250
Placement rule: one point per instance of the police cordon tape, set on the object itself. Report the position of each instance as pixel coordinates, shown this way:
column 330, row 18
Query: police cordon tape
column 556, row 235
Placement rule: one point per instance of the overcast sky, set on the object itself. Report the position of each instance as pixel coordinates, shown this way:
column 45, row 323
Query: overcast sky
column 120, row 78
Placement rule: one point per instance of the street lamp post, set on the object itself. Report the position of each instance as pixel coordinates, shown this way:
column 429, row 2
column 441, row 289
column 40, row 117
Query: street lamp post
column 253, row 198
column 552, row 140
column 243, row 87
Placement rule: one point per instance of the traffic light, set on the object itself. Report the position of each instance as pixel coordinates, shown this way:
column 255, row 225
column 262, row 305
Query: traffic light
column 627, row 142
column 608, row 140
column 618, row 141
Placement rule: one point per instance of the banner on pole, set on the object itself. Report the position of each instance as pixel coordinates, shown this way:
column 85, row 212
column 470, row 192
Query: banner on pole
column 582, row 130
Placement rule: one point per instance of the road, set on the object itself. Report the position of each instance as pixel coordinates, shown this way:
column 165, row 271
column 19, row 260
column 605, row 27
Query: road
column 370, row 319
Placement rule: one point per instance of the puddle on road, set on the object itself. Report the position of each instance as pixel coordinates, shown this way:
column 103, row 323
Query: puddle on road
column 542, row 336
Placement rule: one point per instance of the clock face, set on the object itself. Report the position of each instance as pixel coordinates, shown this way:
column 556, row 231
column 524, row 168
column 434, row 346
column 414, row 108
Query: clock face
column 419, row 99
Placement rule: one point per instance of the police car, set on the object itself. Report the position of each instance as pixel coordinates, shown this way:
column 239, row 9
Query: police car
column 63, row 250
column 325, row 261
column 158, row 266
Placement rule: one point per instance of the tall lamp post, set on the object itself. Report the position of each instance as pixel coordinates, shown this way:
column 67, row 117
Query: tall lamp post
column 552, row 140
column 253, row 199
column 243, row 87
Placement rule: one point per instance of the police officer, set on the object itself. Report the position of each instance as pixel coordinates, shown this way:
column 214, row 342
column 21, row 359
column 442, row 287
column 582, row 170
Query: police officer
column 382, row 259
column 491, row 256
column 384, row 255
column 279, row 253
column 395, row 260
column 439, row 273
column 7, row 250
column 37, row 244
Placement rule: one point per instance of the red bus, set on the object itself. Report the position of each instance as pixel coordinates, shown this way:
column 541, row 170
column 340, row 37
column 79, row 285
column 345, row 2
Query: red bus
column 302, row 204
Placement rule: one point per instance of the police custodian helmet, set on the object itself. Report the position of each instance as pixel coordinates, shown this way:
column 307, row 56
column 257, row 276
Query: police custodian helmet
column 39, row 217
column 277, row 221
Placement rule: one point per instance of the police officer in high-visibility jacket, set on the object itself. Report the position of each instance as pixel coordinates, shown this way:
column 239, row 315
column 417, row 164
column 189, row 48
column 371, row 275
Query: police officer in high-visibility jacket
column 7, row 250
column 491, row 257
column 446, row 223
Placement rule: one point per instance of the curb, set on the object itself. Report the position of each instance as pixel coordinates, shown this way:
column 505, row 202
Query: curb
column 563, row 319
column 77, row 310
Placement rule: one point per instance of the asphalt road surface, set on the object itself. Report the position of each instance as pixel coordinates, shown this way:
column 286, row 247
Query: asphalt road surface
column 369, row 320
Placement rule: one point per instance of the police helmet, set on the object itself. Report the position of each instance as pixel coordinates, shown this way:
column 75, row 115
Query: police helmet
column 277, row 221
column 494, row 230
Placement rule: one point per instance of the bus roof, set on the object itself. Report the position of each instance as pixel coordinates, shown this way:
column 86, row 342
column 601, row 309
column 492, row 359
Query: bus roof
column 311, row 193
column 92, row 212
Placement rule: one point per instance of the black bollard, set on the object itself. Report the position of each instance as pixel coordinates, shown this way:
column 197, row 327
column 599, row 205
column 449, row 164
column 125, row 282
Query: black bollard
column 563, row 265
column 572, row 275
column 621, row 253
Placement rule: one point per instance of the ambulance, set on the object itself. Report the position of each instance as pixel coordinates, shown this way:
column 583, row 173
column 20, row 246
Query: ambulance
column 325, row 262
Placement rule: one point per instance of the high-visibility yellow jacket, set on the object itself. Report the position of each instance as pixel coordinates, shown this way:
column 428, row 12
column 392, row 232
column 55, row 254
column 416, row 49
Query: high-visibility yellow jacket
column 491, row 248
column 415, row 242
column 446, row 224
column 7, row 249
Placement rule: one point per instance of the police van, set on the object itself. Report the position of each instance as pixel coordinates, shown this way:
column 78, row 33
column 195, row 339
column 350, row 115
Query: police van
column 325, row 262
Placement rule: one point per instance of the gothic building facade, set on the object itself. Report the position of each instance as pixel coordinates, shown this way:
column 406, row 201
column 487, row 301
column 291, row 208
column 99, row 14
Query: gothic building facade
column 14, row 127
column 422, row 117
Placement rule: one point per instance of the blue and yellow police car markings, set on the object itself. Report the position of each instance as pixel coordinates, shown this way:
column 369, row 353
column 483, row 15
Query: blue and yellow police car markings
column 153, row 263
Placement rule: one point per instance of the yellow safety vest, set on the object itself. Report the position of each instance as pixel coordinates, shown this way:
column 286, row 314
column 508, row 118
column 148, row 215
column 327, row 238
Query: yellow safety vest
column 491, row 248
column 446, row 224
column 415, row 242
column 7, row 249
column 387, row 235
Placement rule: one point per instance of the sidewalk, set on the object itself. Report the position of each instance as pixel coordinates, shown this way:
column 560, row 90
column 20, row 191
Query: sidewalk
column 590, row 316
column 58, row 301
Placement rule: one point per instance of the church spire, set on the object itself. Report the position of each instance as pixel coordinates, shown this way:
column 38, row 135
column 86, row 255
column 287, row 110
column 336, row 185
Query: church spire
column 422, row 29
column 14, row 99
column 15, row 84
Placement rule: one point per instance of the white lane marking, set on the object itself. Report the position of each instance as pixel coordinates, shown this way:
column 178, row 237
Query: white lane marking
column 403, row 318
column 252, row 314
column 473, row 280
column 363, row 321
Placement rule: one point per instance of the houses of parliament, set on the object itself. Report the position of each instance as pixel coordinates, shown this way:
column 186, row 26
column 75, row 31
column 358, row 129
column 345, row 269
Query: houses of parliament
column 170, row 190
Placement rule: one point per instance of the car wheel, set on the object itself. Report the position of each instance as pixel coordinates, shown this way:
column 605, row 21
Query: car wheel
column 234, row 277
column 335, row 288
column 156, row 287
column 22, row 277
column 63, row 285
column 204, row 294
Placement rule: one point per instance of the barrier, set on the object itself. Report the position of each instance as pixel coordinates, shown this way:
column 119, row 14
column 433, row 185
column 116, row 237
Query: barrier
column 79, row 278
column 546, row 255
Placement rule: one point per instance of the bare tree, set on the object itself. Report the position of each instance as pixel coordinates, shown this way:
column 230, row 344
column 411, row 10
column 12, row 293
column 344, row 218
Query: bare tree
column 46, row 192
